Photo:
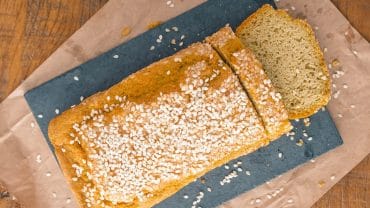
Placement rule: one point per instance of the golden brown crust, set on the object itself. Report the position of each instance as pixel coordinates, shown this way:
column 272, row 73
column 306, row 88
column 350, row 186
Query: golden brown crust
column 303, row 113
column 266, row 100
column 142, row 87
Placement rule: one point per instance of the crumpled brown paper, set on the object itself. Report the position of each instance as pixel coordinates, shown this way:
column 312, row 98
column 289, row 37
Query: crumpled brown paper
column 29, row 170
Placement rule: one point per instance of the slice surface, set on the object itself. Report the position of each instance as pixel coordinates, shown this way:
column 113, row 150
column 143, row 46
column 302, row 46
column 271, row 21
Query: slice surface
column 266, row 100
column 148, row 136
column 291, row 58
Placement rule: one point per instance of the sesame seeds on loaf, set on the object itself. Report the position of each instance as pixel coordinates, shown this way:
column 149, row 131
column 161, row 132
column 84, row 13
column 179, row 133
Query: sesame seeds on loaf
column 266, row 100
column 291, row 58
column 148, row 136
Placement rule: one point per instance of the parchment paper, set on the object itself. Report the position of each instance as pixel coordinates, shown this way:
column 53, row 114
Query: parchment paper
column 29, row 170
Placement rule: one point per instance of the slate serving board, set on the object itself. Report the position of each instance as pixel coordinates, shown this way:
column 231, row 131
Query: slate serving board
column 109, row 68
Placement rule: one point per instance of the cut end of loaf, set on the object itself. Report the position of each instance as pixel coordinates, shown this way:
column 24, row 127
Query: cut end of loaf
column 291, row 57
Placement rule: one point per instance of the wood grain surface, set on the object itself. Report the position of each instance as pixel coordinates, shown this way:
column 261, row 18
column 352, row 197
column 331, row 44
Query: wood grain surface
column 30, row 30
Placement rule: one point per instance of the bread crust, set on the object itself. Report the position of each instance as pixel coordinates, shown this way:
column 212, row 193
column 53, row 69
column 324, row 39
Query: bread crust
column 303, row 113
column 139, row 88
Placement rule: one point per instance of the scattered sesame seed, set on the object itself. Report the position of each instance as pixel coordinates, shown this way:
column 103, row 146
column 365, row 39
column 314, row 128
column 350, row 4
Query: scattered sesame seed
column 309, row 138
column 352, row 106
column 280, row 155
column 168, row 72
column 325, row 50
column 76, row 78
column 239, row 169
column 181, row 43
column 355, row 52
column 68, row 200
column 239, row 162
column 332, row 177
column 40, row 116
column 334, row 86
column 329, row 66
column 152, row 48
column 115, row 56
column 160, row 37
column 292, row 138
column 38, row 158
column 293, row 8
column 300, row 142
column 182, row 37
column 186, row 197
column 290, row 201
column 81, row 98
column 305, row 134
column 248, row 172
column 322, row 108
column 226, row 167
column 169, row 2
column 54, row 194
column 340, row 115
column 268, row 196
column 32, row 125
column 336, row 94
column 345, row 86
column 235, row 165
column 173, row 41
column 159, row 40
column 316, row 28
column 63, row 150
column 251, row 202
column 175, row 29
column 172, row 5
column 48, row 174
column 57, row 111
column 209, row 189
column 258, row 200
column 167, row 30
column 312, row 160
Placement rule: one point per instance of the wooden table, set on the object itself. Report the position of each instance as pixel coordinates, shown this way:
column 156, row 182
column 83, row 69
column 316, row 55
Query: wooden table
column 30, row 30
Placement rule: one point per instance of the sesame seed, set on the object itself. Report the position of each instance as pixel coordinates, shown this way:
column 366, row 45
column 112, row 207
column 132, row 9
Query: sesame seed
column 38, row 158
column 54, row 194
column 160, row 37
column 292, row 138
column 168, row 72
column 115, row 56
column 175, row 29
column 181, row 43
column 293, row 8
column 169, row 2
column 268, row 196
column 340, row 115
column 336, row 94
column 48, row 174
column 325, row 50
column 209, row 189
column 352, row 106
column 329, row 66
column 280, row 155
column 312, row 160
column 172, row 5
column 152, row 48
column 316, row 28
column 68, row 200
column 186, row 196
column 309, row 138
column 355, row 52
column 239, row 169
column 173, row 41
column 332, row 177
column 167, row 30
column 32, row 125
column 226, row 167
column 81, row 98
column 248, row 172
column 159, row 40
column 345, row 86
column 76, row 78
column 300, row 142
column 290, row 201
column 57, row 111
column 40, row 116
column 258, row 200
column 321, row 183
column 182, row 37
column 235, row 165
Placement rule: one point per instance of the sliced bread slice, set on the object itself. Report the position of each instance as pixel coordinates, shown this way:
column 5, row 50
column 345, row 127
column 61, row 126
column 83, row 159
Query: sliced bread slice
column 291, row 58
column 255, row 81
